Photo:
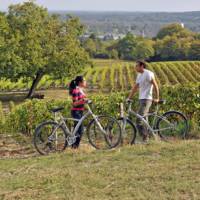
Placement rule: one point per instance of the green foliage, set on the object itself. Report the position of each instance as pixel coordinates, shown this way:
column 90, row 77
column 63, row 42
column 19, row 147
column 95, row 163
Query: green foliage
column 134, row 48
column 172, row 48
column 167, row 73
column 114, row 54
column 33, row 43
column 25, row 117
column 98, row 48
column 173, row 42
column 194, row 52
column 173, row 29
column 122, row 75
column 90, row 46
column 2, row 119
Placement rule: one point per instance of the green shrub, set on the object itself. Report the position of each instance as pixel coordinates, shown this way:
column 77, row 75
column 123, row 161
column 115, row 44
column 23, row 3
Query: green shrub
column 2, row 118
column 25, row 117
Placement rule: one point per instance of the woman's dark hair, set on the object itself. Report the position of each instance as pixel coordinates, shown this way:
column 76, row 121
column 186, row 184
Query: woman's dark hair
column 74, row 83
column 142, row 63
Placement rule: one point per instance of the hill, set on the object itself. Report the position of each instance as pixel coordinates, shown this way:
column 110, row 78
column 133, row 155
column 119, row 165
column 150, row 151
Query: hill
column 136, row 22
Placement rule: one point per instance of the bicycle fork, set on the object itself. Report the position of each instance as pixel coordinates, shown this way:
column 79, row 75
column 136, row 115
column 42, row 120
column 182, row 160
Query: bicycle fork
column 99, row 125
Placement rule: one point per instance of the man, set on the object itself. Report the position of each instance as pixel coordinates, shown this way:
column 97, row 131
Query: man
column 145, row 82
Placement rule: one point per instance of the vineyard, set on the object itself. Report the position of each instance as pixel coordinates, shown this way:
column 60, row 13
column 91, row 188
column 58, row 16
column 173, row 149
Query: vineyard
column 116, row 75
column 119, row 76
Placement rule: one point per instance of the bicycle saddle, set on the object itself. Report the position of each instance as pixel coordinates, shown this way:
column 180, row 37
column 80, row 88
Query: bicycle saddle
column 54, row 110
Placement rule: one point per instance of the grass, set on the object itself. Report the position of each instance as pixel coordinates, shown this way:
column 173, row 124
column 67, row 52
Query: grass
column 154, row 171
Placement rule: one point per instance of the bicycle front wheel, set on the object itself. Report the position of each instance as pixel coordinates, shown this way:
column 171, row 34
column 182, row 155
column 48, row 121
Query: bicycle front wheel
column 172, row 125
column 50, row 137
column 129, row 131
column 104, row 133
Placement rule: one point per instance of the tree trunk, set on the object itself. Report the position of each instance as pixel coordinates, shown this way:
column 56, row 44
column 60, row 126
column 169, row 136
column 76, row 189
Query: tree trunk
column 35, row 84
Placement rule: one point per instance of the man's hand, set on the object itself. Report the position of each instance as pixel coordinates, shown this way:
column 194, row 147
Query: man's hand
column 156, row 100
column 133, row 91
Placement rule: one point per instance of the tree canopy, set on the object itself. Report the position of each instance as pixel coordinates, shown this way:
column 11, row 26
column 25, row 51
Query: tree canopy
column 173, row 29
column 134, row 48
column 34, row 43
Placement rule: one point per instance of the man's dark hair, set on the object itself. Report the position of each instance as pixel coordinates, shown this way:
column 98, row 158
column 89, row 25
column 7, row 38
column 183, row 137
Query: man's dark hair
column 141, row 63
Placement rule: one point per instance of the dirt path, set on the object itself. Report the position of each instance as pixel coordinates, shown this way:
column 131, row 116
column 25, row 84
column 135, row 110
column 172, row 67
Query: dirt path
column 10, row 148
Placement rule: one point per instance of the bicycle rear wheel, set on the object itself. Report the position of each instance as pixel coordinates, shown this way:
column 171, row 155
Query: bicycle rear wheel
column 129, row 131
column 109, row 137
column 172, row 125
column 50, row 137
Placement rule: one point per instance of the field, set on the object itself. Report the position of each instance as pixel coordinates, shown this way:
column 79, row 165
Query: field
column 119, row 76
column 154, row 171
column 116, row 75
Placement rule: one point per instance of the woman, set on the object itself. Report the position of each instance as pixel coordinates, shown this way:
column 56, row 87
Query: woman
column 76, row 88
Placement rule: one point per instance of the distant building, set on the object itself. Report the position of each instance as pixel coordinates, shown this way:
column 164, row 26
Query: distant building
column 105, row 37
column 183, row 25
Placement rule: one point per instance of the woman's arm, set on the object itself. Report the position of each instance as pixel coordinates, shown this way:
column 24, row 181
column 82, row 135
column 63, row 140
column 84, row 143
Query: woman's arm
column 79, row 102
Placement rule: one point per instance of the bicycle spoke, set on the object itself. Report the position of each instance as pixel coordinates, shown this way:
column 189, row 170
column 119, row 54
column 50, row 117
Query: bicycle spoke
column 128, row 132
column 50, row 138
column 105, row 134
column 172, row 126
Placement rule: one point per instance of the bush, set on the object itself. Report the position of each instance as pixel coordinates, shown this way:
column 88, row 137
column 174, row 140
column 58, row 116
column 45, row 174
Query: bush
column 25, row 117
column 2, row 118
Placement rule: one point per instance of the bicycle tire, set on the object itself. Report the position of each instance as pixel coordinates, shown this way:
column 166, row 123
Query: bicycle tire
column 101, row 139
column 181, row 128
column 128, row 138
column 38, row 137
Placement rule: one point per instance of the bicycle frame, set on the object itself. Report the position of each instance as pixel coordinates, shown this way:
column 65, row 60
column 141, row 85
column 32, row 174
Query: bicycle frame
column 145, row 121
column 80, row 121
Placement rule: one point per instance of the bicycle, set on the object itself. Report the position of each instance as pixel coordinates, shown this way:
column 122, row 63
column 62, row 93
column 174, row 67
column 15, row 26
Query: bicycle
column 170, row 125
column 103, row 132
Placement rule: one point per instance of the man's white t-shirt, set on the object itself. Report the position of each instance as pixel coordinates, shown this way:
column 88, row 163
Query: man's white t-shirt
column 144, row 80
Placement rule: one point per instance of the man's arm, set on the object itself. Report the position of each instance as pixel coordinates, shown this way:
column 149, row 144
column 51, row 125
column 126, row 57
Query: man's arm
column 155, row 85
column 133, row 91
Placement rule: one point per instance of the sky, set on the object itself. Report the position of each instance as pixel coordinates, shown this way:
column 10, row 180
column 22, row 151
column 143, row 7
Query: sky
column 114, row 5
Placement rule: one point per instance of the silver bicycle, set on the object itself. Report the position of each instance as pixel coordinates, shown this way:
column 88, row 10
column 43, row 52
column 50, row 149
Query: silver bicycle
column 103, row 132
column 170, row 125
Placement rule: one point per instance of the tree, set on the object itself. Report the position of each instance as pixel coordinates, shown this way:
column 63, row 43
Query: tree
column 126, row 47
column 174, row 29
column 3, row 31
column 113, row 54
column 134, row 48
column 144, row 49
column 37, row 44
column 93, row 45
column 90, row 46
column 194, row 52
column 172, row 48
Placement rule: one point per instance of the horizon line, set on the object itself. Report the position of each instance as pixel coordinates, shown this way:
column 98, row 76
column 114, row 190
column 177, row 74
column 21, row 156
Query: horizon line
column 139, row 11
column 116, row 11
